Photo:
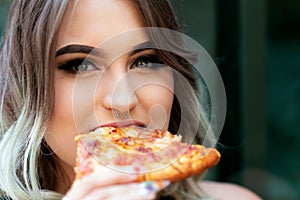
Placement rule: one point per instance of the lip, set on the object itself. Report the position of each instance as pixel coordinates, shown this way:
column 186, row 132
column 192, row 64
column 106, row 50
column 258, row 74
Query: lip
column 121, row 124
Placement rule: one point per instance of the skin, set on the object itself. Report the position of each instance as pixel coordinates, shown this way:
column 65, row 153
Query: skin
column 89, row 99
column 227, row 191
column 90, row 24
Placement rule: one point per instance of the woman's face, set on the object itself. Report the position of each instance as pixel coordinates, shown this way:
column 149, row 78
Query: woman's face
column 110, row 85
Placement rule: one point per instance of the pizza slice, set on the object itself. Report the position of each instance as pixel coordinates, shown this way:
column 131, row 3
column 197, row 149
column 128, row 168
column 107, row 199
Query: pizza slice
column 153, row 154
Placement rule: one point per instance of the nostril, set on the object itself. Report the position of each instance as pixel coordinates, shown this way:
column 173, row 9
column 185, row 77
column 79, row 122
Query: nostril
column 122, row 103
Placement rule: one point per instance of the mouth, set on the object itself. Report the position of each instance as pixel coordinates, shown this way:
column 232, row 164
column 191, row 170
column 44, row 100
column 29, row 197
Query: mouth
column 121, row 124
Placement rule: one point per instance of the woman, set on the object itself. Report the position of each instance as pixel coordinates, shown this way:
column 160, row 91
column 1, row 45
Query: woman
column 51, row 60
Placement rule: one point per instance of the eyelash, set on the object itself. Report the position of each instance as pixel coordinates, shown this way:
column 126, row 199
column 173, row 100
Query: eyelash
column 148, row 60
column 71, row 66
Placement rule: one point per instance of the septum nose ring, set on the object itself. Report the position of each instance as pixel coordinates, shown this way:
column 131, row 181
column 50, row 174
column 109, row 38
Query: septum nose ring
column 118, row 114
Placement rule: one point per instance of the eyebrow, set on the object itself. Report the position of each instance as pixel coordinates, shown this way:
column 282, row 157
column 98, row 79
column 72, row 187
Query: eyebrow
column 78, row 48
column 142, row 47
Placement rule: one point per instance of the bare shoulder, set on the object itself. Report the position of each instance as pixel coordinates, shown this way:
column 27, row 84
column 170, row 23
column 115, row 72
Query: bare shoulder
column 227, row 191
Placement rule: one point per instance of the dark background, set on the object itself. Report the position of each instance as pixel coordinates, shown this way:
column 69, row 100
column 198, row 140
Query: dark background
column 256, row 46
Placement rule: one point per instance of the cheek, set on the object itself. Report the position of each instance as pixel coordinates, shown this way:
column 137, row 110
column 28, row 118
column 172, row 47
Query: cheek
column 158, row 103
column 61, row 128
column 72, row 114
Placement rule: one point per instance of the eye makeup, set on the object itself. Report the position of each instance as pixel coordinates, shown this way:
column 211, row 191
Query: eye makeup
column 75, row 58
column 147, row 59
column 77, row 65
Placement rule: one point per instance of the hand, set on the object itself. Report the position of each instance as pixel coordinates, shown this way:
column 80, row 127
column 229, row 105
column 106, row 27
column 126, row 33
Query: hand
column 105, row 183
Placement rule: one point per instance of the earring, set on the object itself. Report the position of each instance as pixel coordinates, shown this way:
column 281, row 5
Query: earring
column 126, row 115
column 116, row 113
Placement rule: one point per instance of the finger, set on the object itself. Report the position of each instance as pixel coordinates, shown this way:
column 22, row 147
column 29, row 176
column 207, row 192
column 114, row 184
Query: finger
column 133, row 191
column 101, row 177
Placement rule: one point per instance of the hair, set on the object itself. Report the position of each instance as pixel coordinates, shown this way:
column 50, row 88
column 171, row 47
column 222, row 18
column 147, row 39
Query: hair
column 28, row 169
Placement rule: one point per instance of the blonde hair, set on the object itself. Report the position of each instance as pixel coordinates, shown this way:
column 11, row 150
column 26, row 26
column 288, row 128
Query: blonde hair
column 26, row 55
column 26, row 94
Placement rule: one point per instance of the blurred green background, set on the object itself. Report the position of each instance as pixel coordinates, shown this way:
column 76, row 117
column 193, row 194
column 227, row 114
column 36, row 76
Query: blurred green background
column 256, row 46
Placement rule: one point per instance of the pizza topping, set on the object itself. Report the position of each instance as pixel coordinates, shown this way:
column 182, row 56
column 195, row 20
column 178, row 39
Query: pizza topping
column 90, row 146
column 125, row 140
column 154, row 154
column 143, row 149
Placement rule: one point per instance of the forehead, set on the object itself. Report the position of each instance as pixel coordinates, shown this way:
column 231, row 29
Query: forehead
column 90, row 22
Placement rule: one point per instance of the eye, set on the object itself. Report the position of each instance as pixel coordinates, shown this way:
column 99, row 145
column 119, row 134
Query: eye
column 78, row 66
column 147, row 61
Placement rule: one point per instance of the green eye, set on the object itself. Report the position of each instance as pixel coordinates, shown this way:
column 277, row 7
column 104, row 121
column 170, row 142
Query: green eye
column 82, row 67
column 141, row 62
column 78, row 66
column 149, row 61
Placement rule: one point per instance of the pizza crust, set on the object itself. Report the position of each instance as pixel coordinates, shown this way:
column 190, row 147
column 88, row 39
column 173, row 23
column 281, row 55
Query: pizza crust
column 153, row 154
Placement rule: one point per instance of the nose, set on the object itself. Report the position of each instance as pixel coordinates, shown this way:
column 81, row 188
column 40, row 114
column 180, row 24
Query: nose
column 121, row 97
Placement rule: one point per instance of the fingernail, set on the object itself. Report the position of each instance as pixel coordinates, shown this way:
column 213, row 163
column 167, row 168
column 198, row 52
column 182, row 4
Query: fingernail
column 159, row 185
column 153, row 186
